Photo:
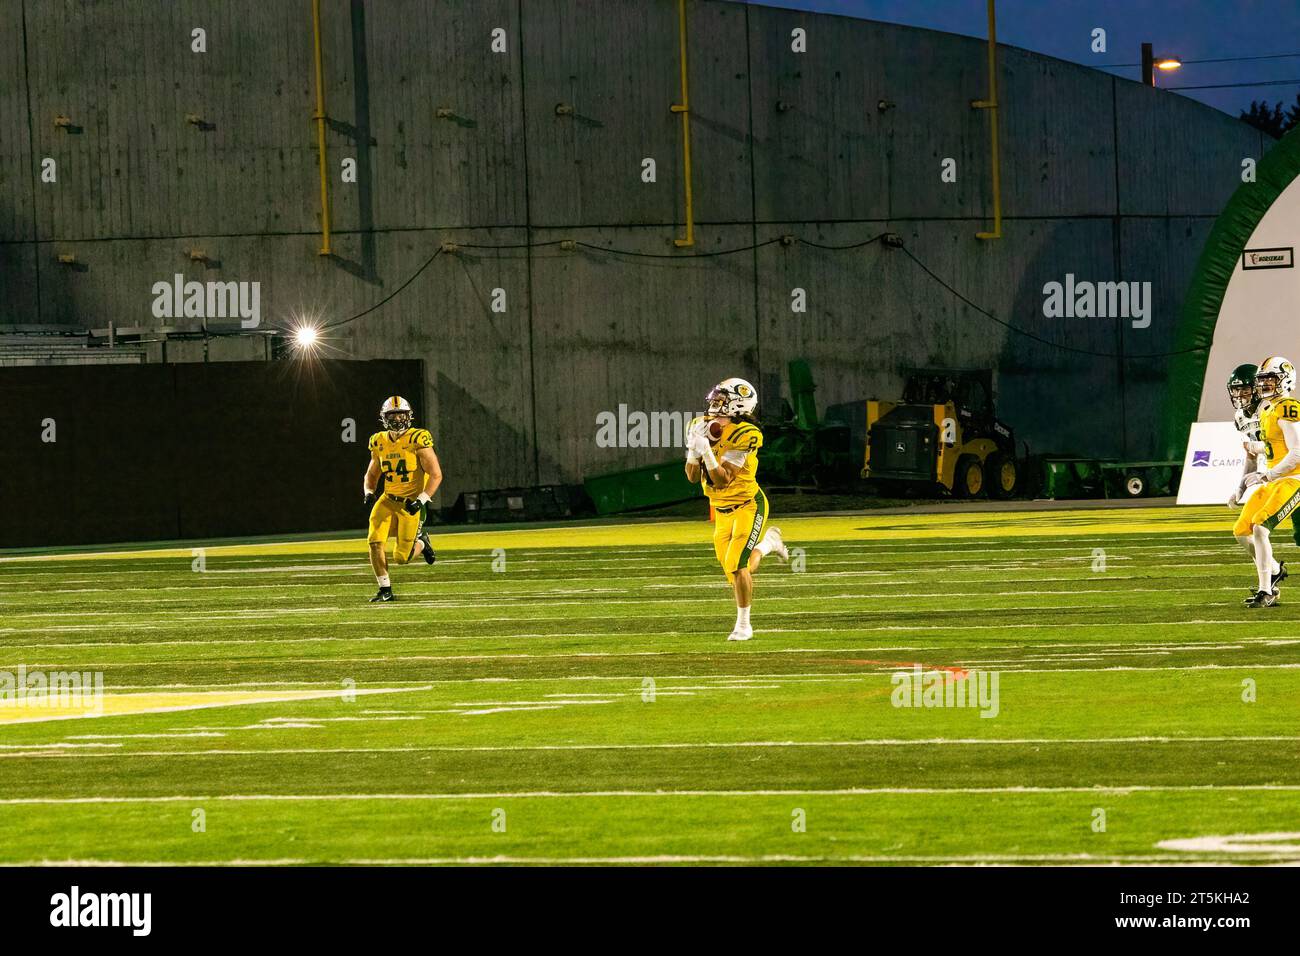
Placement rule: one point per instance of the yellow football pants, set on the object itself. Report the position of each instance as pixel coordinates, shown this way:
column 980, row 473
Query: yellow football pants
column 1269, row 506
column 388, row 518
column 736, row 533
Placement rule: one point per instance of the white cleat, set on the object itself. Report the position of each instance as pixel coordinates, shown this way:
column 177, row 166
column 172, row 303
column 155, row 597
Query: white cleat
column 778, row 546
column 740, row 634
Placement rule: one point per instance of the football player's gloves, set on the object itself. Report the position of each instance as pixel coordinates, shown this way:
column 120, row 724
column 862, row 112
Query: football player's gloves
column 369, row 499
column 1242, row 392
column 1252, row 479
column 1275, row 378
column 731, row 398
column 396, row 415
column 696, row 445
column 413, row 506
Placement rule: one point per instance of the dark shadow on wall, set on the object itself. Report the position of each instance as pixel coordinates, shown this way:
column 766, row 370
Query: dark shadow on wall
column 19, row 284
column 472, row 439
column 723, row 129
column 1059, row 401
column 362, row 141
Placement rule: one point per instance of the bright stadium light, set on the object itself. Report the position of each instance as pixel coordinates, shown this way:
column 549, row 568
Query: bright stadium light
column 1151, row 63
column 306, row 337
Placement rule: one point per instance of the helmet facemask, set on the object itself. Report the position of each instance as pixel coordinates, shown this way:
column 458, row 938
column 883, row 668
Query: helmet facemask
column 1268, row 385
column 718, row 402
column 1244, row 396
column 397, row 421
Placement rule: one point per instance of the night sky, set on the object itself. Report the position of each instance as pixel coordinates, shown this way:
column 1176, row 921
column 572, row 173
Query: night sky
column 1189, row 29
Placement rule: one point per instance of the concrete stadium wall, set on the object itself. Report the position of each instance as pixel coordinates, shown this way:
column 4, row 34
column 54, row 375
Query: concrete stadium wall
column 1102, row 178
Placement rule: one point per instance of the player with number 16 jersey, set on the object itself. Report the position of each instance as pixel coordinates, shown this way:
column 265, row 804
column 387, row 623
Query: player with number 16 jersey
column 1279, row 443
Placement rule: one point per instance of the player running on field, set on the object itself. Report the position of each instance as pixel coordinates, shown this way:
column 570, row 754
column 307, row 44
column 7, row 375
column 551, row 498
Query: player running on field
column 722, row 454
column 1244, row 396
column 403, row 459
column 1245, row 404
column 1279, row 443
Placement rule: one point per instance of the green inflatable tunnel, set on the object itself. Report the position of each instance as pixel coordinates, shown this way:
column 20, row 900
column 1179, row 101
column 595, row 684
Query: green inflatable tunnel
column 1244, row 301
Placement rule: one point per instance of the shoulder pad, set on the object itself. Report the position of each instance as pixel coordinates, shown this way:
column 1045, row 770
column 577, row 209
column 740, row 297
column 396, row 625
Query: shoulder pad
column 745, row 435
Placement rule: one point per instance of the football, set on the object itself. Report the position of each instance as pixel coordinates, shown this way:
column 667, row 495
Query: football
column 715, row 430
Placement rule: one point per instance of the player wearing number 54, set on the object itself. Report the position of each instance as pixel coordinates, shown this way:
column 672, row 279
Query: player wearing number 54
column 403, row 460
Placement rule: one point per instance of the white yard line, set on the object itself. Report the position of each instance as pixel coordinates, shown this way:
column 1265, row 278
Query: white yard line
column 251, row 623
column 806, row 581
column 588, row 794
column 963, row 544
column 958, row 649
column 258, row 612
column 884, row 667
column 38, row 749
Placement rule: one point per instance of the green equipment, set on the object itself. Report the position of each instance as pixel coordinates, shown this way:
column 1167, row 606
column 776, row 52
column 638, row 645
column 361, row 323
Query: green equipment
column 1072, row 477
column 798, row 450
column 646, row 487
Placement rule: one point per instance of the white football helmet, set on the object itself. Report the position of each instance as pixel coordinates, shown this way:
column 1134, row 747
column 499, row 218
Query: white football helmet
column 1275, row 378
column 732, row 398
column 395, row 414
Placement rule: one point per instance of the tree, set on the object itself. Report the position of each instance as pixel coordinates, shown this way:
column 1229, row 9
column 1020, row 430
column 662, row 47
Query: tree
column 1270, row 120
column 1293, row 114
column 1274, row 121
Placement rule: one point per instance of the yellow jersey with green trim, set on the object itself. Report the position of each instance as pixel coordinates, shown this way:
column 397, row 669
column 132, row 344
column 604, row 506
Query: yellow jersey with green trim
column 739, row 444
column 1270, row 431
column 400, row 471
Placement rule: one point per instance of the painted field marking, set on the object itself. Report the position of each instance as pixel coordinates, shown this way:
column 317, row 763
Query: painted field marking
column 242, row 613
column 1283, row 843
column 601, row 794
column 115, row 704
column 251, row 624
column 713, row 745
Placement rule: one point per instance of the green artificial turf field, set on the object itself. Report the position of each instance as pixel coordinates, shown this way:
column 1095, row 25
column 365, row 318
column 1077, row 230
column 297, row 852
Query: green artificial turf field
column 566, row 695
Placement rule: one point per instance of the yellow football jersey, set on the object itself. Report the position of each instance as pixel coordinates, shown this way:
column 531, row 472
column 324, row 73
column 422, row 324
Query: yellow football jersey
column 401, row 472
column 739, row 441
column 1270, row 430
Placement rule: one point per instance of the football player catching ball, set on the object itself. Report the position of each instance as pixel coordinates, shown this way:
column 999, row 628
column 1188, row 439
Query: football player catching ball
column 403, row 459
column 722, row 454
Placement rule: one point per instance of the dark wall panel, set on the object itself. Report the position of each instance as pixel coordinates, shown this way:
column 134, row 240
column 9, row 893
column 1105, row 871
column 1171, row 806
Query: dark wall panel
column 152, row 452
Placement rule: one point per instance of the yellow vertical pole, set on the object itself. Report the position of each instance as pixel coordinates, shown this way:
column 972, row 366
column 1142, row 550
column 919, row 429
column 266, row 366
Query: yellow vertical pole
column 684, row 107
column 991, row 104
column 320, row 135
